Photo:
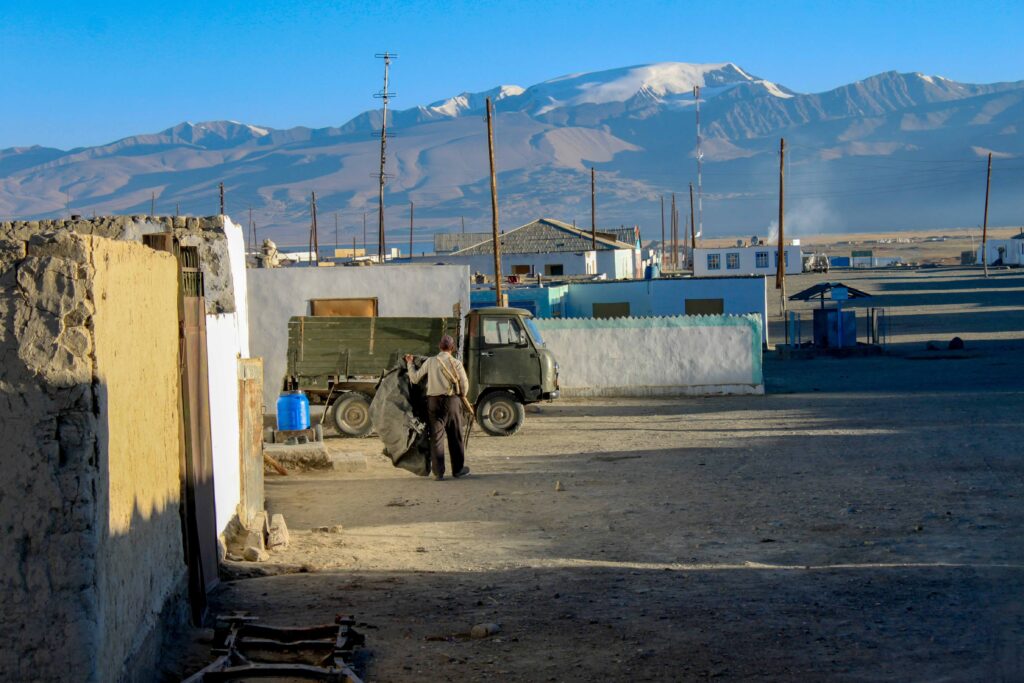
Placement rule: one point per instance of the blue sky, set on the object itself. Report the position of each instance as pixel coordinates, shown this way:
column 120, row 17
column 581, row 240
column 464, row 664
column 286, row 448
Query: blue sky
column 85, row 73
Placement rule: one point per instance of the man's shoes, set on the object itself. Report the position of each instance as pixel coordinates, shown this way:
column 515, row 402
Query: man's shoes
column 464, row 472
column 438, row 477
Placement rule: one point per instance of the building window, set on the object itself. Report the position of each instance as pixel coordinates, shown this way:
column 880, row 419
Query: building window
column 704, row 306
column 611, row 310
column 762, row 259
column 554, row 269
column 732, row 260
column 714, row 261
column 521, row 269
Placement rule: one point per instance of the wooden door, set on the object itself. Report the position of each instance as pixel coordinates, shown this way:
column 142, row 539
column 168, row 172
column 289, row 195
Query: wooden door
column 250, row 419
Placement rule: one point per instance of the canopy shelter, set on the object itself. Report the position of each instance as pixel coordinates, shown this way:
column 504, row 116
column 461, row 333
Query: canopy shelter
column 836, row 290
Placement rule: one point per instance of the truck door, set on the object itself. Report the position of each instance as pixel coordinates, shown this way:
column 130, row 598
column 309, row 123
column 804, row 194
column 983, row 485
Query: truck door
column 506, row 355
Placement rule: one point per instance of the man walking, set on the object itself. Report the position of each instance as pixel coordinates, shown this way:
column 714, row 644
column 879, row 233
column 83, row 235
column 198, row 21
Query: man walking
column 446, row 388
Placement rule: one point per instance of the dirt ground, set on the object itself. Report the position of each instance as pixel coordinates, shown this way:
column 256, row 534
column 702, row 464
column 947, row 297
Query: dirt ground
column 859, row 522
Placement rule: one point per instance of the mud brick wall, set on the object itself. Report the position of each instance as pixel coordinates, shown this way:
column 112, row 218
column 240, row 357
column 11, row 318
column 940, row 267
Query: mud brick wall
column 91, row 560
column 206, row 233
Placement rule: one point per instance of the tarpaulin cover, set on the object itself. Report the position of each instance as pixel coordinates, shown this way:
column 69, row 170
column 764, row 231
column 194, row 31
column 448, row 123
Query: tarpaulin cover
column 398, row 413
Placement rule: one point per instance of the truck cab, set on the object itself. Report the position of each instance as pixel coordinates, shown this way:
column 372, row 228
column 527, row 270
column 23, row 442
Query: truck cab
column 508, row 367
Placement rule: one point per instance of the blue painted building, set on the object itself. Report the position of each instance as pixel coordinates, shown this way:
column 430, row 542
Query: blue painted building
column 639, row 298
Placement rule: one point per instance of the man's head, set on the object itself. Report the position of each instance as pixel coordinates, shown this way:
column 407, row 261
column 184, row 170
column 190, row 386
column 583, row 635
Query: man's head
column 447, row 343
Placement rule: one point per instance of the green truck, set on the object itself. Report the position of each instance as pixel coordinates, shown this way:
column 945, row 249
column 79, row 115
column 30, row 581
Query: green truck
column 337, row 361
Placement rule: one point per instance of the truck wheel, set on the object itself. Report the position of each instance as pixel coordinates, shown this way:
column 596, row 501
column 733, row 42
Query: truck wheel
column 500, row 414
column 351, row 414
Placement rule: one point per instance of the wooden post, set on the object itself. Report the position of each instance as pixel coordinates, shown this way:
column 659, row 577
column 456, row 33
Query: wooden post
column 663, row 249
column 314, row 241
column 152, row 203
column 780, row 270
column 222, row 199
column 593, row 212
column 693, row 227
column 364, row 233
column 494, row 204
column 410, row 230
column 984, row 224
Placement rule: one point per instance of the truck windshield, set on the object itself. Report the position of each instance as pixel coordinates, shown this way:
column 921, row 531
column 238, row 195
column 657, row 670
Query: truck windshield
column 534, row 332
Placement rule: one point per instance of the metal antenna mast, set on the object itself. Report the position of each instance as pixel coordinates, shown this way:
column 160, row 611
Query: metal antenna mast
column 384, row 96
column 700, row 159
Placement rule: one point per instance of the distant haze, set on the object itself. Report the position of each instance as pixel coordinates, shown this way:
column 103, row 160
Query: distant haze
column 894, row 151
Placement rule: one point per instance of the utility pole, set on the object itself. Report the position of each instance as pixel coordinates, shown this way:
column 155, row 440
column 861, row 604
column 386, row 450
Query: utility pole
column 314, row 242
column 463, row 225
column 780, row 270
column 663, row 231
column 984, row 224
column 364, row 233
column 593, row 211
column 177, row 209
column 411, row 208
column 675, row 233
column 222, row 199
column 335, row 231
column 699, row 229
column 384, row 96
column 693, row 230
column 494, row 205
column 251, row 235
column 152, row 204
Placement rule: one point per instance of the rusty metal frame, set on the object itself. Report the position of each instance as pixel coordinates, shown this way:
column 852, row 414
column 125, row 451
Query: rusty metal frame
column 243, row 641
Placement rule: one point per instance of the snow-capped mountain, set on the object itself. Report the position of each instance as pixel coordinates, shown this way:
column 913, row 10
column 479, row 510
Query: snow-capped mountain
column 896, row 150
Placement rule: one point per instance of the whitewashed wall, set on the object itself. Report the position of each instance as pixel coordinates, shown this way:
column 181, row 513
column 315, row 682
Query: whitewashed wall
column 747, row 261
column 657, row 356
column 227, row 340
column 277, row 294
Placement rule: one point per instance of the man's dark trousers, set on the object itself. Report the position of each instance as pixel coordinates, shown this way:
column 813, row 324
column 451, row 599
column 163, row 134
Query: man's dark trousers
column 445, row 414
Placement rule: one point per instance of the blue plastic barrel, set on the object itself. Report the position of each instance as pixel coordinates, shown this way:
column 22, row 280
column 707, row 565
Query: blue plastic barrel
column 292, row 411
column 652, row 272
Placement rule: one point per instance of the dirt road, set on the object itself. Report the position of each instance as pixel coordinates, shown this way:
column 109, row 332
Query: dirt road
column 860, row 522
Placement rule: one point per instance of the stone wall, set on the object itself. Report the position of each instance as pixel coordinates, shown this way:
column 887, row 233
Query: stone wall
column 91, row 560
column 206, row 233
column 221, row 247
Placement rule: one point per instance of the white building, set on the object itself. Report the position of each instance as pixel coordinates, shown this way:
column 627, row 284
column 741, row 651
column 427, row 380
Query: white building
column 760, row 259
column 1003, row 252
column 553, row 249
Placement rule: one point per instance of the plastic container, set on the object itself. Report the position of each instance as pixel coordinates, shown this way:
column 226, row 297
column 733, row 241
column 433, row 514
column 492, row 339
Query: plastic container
column 292, row 411
column 652, row 272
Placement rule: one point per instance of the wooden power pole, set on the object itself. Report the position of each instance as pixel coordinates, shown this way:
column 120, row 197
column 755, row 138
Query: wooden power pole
column 780, row 270
column 222, row 199
column 314, row 238
column 152, row 203
column 494, row 205
column 411, row 207
column 663, row 250
column 984, row 224
column 593, row 211
column 693, row 228
column 384, row 96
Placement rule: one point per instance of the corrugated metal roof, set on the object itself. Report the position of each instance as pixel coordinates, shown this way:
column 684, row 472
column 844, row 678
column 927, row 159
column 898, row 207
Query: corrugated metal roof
column 544, row 236
column 445, row 242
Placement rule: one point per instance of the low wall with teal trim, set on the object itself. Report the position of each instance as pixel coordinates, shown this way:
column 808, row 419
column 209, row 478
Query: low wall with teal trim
column 682, row 355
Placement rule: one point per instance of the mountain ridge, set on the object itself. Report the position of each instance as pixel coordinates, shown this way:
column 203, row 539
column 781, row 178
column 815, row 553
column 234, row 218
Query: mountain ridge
column 635, row 124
